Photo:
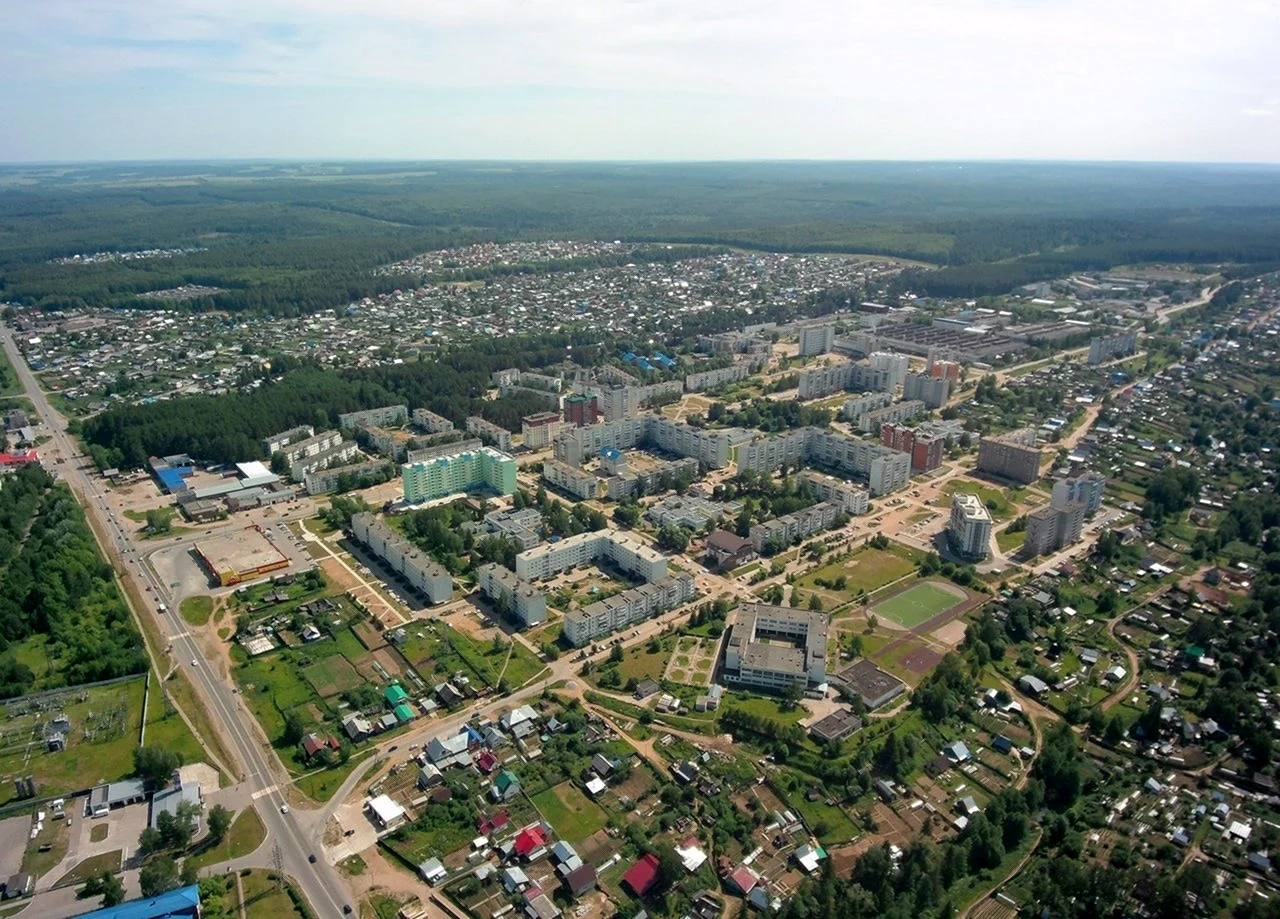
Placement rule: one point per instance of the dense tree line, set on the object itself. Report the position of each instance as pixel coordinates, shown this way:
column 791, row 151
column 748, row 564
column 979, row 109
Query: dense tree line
column 57, row 584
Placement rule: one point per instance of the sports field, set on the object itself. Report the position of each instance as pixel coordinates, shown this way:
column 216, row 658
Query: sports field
column 918, row 604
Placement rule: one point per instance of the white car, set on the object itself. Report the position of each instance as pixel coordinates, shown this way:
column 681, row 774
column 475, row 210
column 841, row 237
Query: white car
column 284, row 808
column 193, row 662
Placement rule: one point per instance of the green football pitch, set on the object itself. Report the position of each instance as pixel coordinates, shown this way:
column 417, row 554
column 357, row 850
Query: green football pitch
column 917, row 604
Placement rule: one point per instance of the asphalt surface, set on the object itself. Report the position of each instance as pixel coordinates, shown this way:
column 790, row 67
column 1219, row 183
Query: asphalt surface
column 320, row 882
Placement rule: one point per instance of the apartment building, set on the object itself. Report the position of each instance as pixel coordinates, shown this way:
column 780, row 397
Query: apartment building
column 932, row 391
column 343, row 452
column 894, row 364
column 926, row 450
column 823, row 381
column 310, row 446
column 277, row 442
column 627, row 608
column 1087, row 489
column 632, row 483
column 512, row 595
column 1061, row 522
column 1013, row 456
column 1110, row 347
column 455, row 472
column 886, row 470
column 783, row 531
column 969, row 529
column 896, row 413
column 428, row 421
column 580, row 409
column 422, row 572
column 711, row 448
column 853, row 499
column 490, row 433
column 623, row 551
column 540, row 428
column 774, row 647
column 733, row 343
column 572, row 480
column 816, row 339
column 713, row 379
column 859, row 407
column 323, row 481
column 387, row 416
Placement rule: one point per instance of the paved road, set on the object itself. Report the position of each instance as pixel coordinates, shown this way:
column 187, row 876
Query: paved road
column 296, row 837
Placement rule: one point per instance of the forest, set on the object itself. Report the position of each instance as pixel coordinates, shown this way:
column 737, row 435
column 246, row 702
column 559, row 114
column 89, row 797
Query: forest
column 285, row 239
column 54, row 583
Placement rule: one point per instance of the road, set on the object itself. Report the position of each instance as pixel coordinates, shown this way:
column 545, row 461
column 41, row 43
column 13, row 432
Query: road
column 320, row 882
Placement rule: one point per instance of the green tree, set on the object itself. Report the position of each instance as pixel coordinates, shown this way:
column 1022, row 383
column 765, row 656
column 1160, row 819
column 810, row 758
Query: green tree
column 219, row 821
column 158, row 876
column 155, row 765
column 294, row 729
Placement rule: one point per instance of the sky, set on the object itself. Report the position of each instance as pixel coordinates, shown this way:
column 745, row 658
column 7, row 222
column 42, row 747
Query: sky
column 1172, row 80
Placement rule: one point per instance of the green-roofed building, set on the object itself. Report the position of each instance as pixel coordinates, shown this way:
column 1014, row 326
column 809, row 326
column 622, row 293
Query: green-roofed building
column 395, row 695
column 404, row 712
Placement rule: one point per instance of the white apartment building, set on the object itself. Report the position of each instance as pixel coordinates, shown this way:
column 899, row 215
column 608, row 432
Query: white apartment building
column 624, row 609
column 896, row 365
column 785, row 530
column 969, row 529
column 624, row 551
column 816, row 339
column 422, row 572
column 571, row 479
column 502, row 585
column 854, row 500
column 318, row 443
column 430, row 422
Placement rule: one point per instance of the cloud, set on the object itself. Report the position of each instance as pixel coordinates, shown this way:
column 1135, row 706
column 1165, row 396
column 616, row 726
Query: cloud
column 980, row 77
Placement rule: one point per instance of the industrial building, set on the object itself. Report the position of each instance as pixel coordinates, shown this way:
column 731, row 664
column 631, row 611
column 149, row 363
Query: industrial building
column 422, row 572
column 623, row 551
column 501, row 585
column 969, row 529
column 455, row 472
column 1012, row 456
column 624, row 609
column 774, row 647
column 240, row 556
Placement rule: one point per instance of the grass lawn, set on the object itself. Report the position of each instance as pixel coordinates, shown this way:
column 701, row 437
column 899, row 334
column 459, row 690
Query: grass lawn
column 184, row 695
column 263, row 901
column 244, row 836
column 866, row 569
column 522, row 666
column 323, row 784
column 765, row 707
column 568, row 810
column 9, row 383
column 332, row 675
column 98, row 832
column 916, row 604
column 830, row 824
column 639, row 663
column 996, row 499
column 91, row 867
column 197, row 610
column 57, row 835
column 1009, row 541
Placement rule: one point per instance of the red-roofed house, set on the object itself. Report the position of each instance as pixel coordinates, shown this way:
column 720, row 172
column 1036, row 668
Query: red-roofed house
column 641, row 876
column 19, row 459
column 490, row 825
column 312, row 744
column 530, row 838
column 742, row 879
column 486, row 762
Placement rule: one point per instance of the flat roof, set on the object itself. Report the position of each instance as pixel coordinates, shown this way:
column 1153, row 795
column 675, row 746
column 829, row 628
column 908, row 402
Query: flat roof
column 836, row 726
column 244, row 550
column 869, row 681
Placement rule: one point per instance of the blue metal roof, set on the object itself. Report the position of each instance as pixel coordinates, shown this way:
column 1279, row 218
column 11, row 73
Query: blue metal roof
column 176, row 904
column 171, row 479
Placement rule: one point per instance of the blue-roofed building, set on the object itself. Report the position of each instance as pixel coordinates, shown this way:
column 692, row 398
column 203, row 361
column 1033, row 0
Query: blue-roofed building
column 172, row 478
column 643, row 364
column 629, row 356
column 183, row 903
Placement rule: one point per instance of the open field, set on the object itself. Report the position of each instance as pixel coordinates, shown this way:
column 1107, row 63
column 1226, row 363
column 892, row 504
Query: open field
column 918, row 603
column 997, row 500
column 866, row 569
column 568, row 810
column 197, row 610
column 331, row 676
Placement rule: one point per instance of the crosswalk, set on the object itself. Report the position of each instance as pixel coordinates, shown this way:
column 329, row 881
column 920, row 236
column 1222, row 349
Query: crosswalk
column 269, row 790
